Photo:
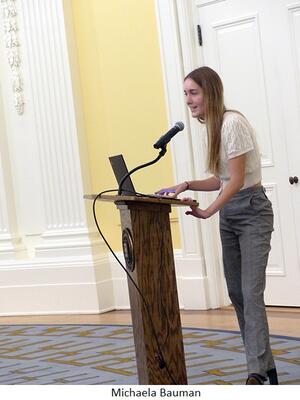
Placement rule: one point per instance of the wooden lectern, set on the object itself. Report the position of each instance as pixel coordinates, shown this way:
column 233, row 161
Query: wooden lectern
column 148, row 251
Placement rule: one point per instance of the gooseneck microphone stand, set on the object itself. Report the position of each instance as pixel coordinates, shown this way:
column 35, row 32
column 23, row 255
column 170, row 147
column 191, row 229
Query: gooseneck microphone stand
column 160, row 155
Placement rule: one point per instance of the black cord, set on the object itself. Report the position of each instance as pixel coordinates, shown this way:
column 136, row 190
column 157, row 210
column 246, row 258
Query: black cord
column 160, row 357
column 162, row 152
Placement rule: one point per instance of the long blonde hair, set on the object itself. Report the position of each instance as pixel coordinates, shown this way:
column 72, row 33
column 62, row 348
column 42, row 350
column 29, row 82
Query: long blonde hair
column 214, row 110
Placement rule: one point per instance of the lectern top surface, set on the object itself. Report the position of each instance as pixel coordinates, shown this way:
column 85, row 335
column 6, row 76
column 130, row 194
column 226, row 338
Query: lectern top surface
column 156, row 200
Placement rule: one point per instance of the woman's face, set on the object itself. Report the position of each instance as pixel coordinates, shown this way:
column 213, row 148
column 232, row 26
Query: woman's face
column 194, row 98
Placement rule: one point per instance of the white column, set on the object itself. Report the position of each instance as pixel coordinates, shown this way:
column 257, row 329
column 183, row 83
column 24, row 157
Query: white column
column 67, row 269
column 55, row 124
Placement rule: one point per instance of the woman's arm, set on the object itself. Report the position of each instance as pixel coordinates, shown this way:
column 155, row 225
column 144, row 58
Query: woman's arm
column 205, row 185
column 212, row 183
column 236, row 168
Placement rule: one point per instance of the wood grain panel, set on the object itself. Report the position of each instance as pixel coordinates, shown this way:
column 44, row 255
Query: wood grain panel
column 154, row 274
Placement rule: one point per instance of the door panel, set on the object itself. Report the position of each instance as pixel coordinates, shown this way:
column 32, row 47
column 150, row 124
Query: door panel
column 255, row 47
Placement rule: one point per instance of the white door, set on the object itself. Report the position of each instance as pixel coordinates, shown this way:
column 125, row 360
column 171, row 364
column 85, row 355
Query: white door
column 255, row 47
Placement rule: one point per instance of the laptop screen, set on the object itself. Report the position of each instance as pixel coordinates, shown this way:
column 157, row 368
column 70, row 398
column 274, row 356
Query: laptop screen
column 120, row 170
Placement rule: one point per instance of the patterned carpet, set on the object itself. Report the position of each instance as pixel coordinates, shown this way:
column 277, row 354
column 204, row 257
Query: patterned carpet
column 104, row 354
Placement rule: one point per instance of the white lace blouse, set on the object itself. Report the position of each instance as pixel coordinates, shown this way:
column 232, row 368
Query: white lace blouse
column 237, row 138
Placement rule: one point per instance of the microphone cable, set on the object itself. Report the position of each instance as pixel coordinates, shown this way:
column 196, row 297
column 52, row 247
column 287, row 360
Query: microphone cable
column 161, row 360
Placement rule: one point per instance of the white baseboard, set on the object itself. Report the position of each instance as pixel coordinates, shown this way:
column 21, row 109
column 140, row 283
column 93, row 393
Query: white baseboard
column 48, row 299
column 78, row 285
column 83, row 285
column 191, row 285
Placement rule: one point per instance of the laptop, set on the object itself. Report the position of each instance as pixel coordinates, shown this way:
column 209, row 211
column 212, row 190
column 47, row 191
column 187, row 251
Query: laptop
column 120, row 170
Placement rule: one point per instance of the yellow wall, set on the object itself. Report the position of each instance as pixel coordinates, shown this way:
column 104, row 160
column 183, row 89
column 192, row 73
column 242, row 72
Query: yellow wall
column 124, row 105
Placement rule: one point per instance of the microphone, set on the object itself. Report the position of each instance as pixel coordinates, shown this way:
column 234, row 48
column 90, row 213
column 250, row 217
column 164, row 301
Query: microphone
column 164, row 139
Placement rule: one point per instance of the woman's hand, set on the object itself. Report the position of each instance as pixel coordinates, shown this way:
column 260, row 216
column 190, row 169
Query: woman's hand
column 196, row 211
column 173, row 191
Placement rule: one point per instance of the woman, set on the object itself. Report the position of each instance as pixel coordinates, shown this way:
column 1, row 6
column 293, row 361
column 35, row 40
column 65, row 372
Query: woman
column 246, row 216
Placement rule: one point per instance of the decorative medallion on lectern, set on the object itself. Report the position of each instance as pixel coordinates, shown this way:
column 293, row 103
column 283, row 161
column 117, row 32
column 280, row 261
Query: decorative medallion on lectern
column 127, row 243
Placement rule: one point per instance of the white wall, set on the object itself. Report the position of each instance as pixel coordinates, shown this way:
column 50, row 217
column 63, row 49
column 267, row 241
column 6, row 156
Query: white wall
column 51, row 259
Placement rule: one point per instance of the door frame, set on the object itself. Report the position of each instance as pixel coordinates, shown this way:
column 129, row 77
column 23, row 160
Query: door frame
column 177, row 35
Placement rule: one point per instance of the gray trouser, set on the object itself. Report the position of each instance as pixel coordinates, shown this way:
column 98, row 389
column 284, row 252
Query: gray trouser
column 246, row 225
